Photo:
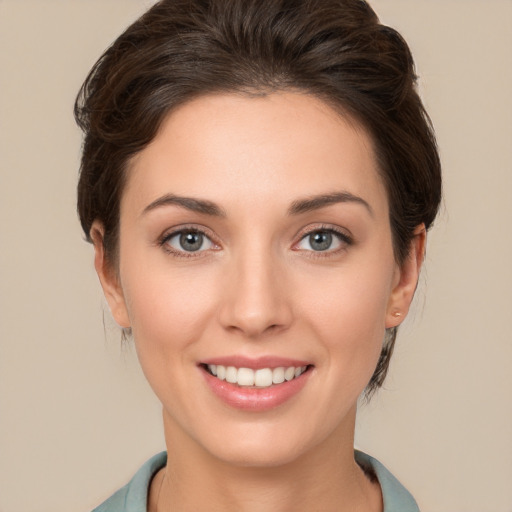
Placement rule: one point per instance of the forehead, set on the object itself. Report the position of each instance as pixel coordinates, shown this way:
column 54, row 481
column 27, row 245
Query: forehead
column 233, row 148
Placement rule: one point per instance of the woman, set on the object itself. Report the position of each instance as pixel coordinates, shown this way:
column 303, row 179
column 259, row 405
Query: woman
column 257, row 180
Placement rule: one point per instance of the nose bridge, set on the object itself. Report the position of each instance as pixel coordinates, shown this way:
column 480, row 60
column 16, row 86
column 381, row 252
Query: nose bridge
column 255, row 299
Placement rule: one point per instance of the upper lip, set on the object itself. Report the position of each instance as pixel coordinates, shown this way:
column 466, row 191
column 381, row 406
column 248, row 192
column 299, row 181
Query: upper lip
column 239, row 361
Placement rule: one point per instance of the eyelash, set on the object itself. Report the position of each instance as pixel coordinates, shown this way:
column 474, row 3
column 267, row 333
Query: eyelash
column 345, row 239
column 166, row 237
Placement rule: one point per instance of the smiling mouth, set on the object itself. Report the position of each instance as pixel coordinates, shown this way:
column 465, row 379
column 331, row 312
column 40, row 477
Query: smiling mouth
column 260, row 378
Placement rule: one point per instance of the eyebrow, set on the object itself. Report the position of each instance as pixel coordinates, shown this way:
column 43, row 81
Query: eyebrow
column 296, row 208
column 189, row 203
column 320, row 201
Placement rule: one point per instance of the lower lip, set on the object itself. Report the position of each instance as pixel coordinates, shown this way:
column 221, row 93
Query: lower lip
column 255, row 399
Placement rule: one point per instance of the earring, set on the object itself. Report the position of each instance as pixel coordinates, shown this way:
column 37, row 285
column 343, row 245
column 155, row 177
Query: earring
column 397, row 314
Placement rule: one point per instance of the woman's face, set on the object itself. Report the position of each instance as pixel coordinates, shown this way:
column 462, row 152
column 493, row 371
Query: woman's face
column 254, row 234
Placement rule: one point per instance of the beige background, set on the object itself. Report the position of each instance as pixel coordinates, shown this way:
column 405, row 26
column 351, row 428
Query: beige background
column 76, row 417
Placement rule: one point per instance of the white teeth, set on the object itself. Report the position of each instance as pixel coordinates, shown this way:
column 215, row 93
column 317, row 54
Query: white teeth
column 221, row 372
column 262, row 378
column 278, row 375
column 245, row 377
column 289, row 373
column 231, row 374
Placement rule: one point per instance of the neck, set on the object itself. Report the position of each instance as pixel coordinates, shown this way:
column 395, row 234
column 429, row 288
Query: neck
column 326, row 478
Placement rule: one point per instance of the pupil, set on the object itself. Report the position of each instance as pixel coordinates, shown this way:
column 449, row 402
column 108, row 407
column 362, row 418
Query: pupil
column 320, row 241
column 191, row 241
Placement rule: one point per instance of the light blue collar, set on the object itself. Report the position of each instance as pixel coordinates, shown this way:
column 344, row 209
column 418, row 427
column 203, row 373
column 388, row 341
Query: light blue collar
column 133, row 497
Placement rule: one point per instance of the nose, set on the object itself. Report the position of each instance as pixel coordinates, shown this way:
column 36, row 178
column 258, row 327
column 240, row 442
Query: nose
column 255, row 298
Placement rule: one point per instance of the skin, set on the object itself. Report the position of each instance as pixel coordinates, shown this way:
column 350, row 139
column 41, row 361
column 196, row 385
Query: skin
column 258, row 289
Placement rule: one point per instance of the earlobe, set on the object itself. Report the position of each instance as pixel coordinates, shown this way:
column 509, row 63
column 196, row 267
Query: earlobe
column 108, row 278
column 406, row 280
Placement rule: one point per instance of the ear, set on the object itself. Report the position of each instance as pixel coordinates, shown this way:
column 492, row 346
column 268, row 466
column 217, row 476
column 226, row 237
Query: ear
column 406, row 280
column 109, row 278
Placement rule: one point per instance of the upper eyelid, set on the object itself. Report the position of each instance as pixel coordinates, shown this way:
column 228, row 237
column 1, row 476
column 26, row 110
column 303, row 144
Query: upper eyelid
column 190, row 228
column 337, row 230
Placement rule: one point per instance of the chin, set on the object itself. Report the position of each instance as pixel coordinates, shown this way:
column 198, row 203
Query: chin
column 270, row 444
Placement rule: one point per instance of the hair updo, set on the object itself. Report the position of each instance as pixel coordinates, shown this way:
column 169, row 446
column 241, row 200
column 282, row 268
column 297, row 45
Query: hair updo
column 335, row 50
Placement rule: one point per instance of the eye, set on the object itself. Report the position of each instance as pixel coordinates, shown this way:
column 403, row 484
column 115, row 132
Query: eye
column 187, row 241
column 323, row 240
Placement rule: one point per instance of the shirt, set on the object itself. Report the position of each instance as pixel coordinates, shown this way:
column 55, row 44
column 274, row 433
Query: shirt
column 133, row 496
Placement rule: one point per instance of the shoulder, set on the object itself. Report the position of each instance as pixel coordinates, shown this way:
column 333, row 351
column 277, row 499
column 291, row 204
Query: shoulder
column 134, row 495
column 395, row 496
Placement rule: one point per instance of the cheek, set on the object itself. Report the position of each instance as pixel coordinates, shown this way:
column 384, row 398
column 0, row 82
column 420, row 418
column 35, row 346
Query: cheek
column 347, row 311
column 168, row 310
column 352, row 322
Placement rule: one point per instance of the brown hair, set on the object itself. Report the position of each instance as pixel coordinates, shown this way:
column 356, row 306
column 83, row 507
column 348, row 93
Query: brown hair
column 334, row 49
